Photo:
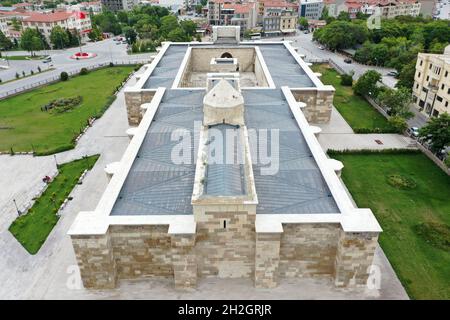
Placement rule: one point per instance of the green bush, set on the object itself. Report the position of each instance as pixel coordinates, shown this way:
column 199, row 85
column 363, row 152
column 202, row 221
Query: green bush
column 332, row 152
column 64, row 76
column 435, row 234
column 58, row 149
column 83, row 71
column 346, row 80
column 398, row 123
column 447, row 161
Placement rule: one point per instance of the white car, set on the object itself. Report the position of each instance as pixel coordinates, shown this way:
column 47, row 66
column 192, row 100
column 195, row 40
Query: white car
column 413, row 131
column 321, row 47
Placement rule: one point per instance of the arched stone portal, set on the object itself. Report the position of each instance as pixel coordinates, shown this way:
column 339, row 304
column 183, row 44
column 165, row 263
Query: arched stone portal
column 226, row 55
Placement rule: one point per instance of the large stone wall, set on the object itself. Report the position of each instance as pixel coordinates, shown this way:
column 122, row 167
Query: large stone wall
column 133, row 101
column 230, row 250
column 318, row 103
column 354, row 257
column 201, row 58
column 226, row 252
column 308, row 249
column 141, row 251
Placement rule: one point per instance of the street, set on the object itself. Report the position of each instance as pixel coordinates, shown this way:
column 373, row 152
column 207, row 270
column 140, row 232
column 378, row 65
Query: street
column 106, row 50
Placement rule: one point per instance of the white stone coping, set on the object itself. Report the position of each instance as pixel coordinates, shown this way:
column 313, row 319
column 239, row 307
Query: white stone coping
column 315, row 130
column 318, row 74
column 112, row 168
column 90, row 223
column 131, row 132
column 335, row 164
column 182, row 68
column 360, row 222
column 147, row 73
column 266, row 72
column 109, row 197
column 304, row 65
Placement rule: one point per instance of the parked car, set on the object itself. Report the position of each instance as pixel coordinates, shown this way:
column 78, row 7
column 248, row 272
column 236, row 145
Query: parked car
column 321, row 47
column 306, row 31
column 47, row 60
column 413, row 132
column 124, row 42
column 393, row 74
column 348, row 60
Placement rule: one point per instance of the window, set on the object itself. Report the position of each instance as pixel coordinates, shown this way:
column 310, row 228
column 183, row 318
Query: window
column 448, row 91
column 442, row 87
column 430, row 66
column 439, row 98
column 446, row 103
column 428, row 78
column 418, row 76
column 421, row 62
column 446, row 74
column 425, row 90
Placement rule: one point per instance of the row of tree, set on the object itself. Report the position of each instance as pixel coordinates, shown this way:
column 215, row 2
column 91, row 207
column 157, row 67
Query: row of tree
column 149, row 24
column 395, row 44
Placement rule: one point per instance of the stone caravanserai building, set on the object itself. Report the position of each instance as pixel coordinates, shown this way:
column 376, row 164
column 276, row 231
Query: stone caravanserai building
column 224, row 176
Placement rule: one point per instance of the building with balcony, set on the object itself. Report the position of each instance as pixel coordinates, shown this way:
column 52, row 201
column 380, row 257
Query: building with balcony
column 311, row 9
column 431, row 90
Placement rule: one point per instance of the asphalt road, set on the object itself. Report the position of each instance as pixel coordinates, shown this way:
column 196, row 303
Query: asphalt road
column 106, row 50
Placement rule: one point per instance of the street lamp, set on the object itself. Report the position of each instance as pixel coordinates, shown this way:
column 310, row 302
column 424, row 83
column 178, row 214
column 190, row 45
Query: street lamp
column 17, row 208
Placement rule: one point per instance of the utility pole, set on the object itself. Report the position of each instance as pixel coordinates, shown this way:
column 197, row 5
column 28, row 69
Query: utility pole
column 17, row 208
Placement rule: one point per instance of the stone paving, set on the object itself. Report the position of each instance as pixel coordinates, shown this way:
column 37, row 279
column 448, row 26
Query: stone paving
column 53, row 273
column 338, row 135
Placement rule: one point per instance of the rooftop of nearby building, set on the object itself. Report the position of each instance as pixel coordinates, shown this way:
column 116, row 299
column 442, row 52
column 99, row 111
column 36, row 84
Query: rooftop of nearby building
column 54, row 16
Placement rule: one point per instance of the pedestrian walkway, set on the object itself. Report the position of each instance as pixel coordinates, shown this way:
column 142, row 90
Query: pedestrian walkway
column 338, row 135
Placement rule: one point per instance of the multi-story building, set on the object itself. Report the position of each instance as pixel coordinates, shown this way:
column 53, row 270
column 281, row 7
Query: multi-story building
column 224, row 12
column 277, row 21
column 387, row 9
column 94, row 7
column 311, row 9
column 45, row 22
column 268, row 7
column 431, row 90
column 117, row 5
column 442, row 10
column 4, row 25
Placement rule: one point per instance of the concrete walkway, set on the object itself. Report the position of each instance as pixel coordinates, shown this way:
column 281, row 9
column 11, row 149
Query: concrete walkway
column 338, row 135
column 20, row 271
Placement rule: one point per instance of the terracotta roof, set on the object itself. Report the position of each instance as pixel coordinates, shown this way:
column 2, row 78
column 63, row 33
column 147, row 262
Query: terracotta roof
column 238, row 8
column 56, row 16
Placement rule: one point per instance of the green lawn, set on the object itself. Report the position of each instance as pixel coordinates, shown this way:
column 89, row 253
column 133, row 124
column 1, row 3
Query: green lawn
column 24, row 57
column 416, row 222
column 24, row 127
column 32, row 229
column 358, row 113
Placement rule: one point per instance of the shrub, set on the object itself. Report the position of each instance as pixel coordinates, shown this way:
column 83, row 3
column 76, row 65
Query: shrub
column 17, row 76
column 83, row 71
column 401, row 182
column 31, row 72
column 23, row 73
column 346, row 80
column 39, row 69
column 111, row 64
column 398, row 123
column 64, row 76
column 435, row 234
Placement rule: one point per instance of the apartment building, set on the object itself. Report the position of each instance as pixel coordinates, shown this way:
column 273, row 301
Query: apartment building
column 278, row 20
column 223, row 13
column 117, row 5
column 4, row 25
column 45, row 22
column 311, row 9
column 442, row 10
column 387, row 9
column 431, row 90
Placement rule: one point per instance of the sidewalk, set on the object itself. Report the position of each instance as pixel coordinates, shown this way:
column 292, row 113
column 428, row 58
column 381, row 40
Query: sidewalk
column 338, row 135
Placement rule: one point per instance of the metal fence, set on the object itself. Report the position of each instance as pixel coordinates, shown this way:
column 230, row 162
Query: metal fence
column 6, row 94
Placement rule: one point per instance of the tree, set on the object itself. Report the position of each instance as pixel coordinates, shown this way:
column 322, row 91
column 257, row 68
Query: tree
column 168, row 24
column 303, row 22
column 130, row 34
column 397, row 101
column 178, row 35
column 5, row 43
column 341, row 34
column 122, row 16
column 59, row 38
column 406, row 75
column 189, row 27
column 31, row 41
column 95, row 34
column 438, row 129
column 347, row 80
column 367, row 83
column 399, row 123
column 64, row 76
column 343, row 16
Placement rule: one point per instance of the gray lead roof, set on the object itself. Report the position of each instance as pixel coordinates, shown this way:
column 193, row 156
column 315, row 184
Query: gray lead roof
column 156, row 185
